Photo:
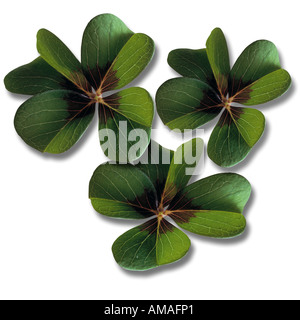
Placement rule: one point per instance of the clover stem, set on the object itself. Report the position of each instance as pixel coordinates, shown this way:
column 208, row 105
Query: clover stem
column 162, row 212
column 160, row 216
column 227, row 103
column 161, row 207
column 96, row 97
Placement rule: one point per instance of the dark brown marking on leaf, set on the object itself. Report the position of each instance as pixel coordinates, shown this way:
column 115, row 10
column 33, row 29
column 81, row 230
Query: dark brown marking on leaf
column 182, row 216
column 165, row 226
column 68, row 85
column 145, row 203
column 113, row 100
column 105, row 114
column 236, row 113
column 110, row 81
column 230, row 115
column 181, row 203
column 211, row 102
column 78, row 105
column 150, row 226
column 223, row 84
column 168, row 195
column 225, row 119
column 159, row 186
column 160, row 224
column 96, row 74
column 94, row 77
column 212, row 82
column 243, row 96
column 236, row 85
column 239, row 89
column 81, row 82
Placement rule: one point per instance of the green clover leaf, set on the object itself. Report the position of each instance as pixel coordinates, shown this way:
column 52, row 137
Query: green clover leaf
column 158, row 189
column 67, row 91
column 209, row 87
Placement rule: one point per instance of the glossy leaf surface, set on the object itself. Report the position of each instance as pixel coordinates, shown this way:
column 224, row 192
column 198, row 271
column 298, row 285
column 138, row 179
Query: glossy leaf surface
column 221, row 192
column 192, row 64
column 58, row 55
column 210, row 207
column 126, row 116
column 36, row 77
column 103, row 39
column 257, row 60
column 226, row 144
column 133, row 103
column 215, row 206
column 214, row 224
column 150, row 245
column 235, row 134
column 155, row 163
column 130, row 62
column 184, row 103
column 192, row 101
column 218, row 57
column 122, row 191
column 54, row 121
column 112, row 56
column 182, row 166
column 266, row 89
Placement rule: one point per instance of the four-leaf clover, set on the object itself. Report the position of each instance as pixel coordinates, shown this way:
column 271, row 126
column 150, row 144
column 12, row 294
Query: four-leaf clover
column 157, row 190
column 66, row 91
column 209, row 86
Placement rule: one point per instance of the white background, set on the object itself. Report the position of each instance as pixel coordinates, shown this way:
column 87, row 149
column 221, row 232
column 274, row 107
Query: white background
column 53, row 245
